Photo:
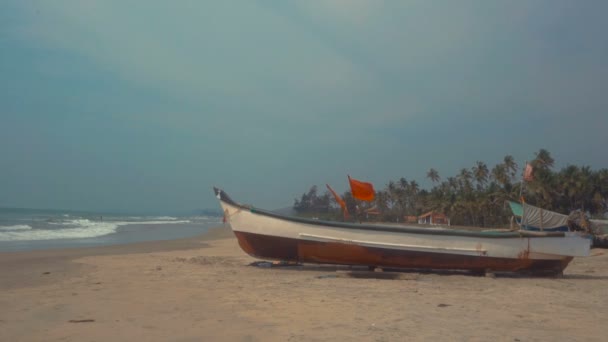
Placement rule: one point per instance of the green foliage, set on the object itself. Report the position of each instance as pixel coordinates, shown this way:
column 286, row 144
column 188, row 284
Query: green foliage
column 312, row 203
column 477, row 196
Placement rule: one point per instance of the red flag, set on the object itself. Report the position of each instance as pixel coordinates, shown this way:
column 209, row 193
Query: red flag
column 528, row 173
column 339, row 200
column 362, row 190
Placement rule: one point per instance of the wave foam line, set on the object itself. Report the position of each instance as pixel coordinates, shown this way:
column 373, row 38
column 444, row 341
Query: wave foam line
column 15, row 227
column 76, row 229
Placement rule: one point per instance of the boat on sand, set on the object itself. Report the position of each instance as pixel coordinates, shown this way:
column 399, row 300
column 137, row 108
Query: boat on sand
column 267, row 235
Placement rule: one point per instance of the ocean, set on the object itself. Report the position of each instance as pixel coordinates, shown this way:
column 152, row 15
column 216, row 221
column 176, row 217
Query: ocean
column 32, row 229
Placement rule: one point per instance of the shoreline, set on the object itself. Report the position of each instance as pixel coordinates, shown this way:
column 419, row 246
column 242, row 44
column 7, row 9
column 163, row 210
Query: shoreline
column 26, row 266
column 202, row 288
column 123, row 233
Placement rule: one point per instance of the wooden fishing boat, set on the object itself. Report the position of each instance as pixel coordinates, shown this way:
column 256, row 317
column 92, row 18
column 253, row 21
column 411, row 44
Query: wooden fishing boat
column 268, row 235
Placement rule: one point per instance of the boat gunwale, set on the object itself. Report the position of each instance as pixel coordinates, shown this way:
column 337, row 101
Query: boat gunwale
column 222, row 196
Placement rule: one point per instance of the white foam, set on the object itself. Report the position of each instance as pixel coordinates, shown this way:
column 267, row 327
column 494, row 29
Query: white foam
column 153, row 222
column 166, row 218
column 72, row 223
column 93, row 229
column 75, row 229
column 152, row 218
column 206, row 220
column 15, row 227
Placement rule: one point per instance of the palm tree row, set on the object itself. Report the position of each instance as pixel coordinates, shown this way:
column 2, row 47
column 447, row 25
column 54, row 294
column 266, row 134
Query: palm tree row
column 477, row 196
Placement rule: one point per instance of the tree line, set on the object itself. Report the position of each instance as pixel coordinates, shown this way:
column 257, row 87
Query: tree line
column 475, row 196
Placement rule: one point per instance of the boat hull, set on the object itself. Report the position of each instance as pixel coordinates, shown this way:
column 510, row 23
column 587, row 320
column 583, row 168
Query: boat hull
column 281, row 248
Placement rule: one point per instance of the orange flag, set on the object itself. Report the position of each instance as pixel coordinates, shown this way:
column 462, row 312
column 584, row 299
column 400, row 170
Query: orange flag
column 339, row 200
column 528, row 173
column 362, row 190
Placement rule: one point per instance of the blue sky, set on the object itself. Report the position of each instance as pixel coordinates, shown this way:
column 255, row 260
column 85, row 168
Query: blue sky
column 144, row 105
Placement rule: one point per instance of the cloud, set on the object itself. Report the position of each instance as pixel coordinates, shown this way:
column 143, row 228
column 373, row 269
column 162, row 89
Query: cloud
column 275, row 55
column 344, row 12
column 197, row 51
column 380, row 88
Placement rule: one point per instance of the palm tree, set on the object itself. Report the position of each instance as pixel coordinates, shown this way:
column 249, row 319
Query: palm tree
column 570, row 184
column 601, row 188
column 480, row 172
column 586, row 188
column 499, row 174
column 465, row 178
column 543, row 159
column 382, row 201
column 510, row 165
column 393, row 194
column 452, row 183
column 545, row 188
column 402, row 195
column 433, row 175
column 414, row 188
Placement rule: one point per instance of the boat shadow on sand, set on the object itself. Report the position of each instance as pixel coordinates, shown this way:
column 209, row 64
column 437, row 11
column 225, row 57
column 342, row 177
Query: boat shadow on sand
column 365, row 272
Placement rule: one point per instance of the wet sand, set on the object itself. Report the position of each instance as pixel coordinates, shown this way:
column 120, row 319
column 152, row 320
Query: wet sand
column 202, row 289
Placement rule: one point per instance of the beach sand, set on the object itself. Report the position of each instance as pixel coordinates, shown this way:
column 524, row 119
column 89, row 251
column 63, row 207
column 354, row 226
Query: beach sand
column 202, row 289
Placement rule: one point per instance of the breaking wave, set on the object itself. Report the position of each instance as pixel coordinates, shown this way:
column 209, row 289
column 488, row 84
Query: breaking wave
column 93, row 229
column 17, row 227
column 72, row 229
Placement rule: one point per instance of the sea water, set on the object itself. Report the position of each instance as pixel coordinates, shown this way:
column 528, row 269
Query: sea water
column 30, row 229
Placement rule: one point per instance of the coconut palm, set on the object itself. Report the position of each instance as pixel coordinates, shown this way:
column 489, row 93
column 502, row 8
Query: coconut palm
column 500, row 175
column 464, row 179
column 382, row 201
column 393, row 193
column 433, row 175
column 480, row 173
column 510, row 165
column 414, row 188
column 543, row 159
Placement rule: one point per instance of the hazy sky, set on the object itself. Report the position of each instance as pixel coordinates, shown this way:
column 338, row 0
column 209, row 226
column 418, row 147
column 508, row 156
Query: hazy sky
column 144, row 105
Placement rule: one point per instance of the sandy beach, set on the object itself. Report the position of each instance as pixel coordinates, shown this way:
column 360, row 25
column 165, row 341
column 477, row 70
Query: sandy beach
column 203, row 289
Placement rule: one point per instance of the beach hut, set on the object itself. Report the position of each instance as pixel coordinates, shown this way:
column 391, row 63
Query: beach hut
column 433, row 218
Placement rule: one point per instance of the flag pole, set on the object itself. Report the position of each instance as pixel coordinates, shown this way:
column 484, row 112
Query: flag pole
column 521, row 185
column 521, row 197
column 357, row 208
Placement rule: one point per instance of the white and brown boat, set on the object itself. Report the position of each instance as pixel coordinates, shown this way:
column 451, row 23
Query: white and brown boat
column 268, row 235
